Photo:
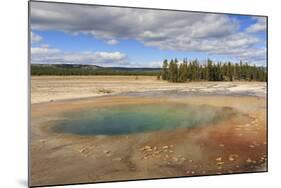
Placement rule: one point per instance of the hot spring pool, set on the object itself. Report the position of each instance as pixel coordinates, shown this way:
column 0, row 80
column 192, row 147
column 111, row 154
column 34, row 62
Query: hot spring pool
column 129, row 119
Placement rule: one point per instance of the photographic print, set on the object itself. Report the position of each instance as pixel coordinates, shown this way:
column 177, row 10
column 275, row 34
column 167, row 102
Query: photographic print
column 125, row 93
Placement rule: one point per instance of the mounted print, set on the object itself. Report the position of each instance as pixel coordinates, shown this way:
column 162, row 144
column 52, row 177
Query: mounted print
column 125, row 93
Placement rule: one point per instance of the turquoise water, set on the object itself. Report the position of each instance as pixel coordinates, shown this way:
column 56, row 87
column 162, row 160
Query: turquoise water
column 120, row 120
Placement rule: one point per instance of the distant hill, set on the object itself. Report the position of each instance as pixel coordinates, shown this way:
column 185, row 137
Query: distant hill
column 78, row 69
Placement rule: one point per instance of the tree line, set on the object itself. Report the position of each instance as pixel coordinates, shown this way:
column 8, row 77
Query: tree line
column 173, row 71
column 40, row 70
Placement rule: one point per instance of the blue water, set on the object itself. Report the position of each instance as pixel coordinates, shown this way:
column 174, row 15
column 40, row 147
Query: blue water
column 129, row 119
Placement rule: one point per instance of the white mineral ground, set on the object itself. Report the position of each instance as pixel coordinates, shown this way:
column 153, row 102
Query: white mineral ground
column 237, row 144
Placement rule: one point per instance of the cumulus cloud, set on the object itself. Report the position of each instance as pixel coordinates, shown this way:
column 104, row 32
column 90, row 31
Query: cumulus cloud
column 259, row 26
column 155, row 64
column 35, row 38
column 172, row 30
column 112, row 42
column 43, row 55
column 42, row 51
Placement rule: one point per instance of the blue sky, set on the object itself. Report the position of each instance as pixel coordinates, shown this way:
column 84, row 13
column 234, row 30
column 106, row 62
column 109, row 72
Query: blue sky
column 108, row 36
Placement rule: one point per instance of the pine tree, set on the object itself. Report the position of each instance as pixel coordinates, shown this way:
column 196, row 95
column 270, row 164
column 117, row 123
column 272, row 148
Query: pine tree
column 176, row 72
column 171, row 71
column 164, row 72
column 210, row 70
column 184, row 71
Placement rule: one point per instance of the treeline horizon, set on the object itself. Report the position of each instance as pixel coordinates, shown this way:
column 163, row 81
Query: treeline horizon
column 88, row 70
column 173, row 71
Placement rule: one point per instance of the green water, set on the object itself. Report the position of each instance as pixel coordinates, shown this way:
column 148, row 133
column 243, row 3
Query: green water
column 138, row 118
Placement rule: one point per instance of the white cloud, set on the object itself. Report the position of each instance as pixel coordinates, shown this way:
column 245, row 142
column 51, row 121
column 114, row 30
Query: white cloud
column 44, row 51
column 44, row 45
column 35, row 38
column 112, row 42
column 259, row 26
column 173, row 30
column 155, row 64
column 45, row 55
